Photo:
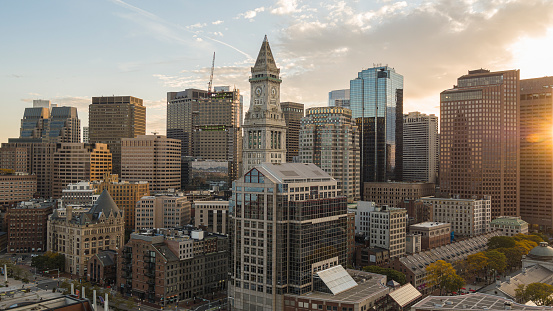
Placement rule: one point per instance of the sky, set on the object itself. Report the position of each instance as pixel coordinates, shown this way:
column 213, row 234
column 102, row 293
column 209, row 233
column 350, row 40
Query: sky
column 68, row 51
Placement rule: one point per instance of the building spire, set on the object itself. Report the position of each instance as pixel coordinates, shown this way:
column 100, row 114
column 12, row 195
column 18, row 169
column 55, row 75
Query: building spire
column 265, row 60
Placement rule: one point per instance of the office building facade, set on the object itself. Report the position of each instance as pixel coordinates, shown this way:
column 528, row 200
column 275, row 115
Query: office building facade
column 420, row 147
column 162, row 211
column 376, row 100
column 152, row 158
column 394, row 193
column 536, row 152
column 387, row 229
column 16, row 187
column 293, row 112
column 45, row 123
column 125, row 194
column 264, row 124
column 288, row 221
column 112, row 118
column 212, row 216
column 468, row 217
column 480, row 148
column 339, row 98
column 77, row 162
column 330, row 140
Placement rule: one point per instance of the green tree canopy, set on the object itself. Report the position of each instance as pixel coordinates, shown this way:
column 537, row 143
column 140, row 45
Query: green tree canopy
column 501, row 242
column 539, row 293
column 390, row 273
column 513, row 255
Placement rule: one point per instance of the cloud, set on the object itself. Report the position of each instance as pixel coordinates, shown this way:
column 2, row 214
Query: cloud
column 286, row 7
column 13, row 75
column 197, row 25
column 250, row 14
column 81, row 102
column 431, row 44
column 217, row 22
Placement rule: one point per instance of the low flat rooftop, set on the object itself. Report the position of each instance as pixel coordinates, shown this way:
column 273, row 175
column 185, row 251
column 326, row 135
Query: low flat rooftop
column 369, row 285
column 476, row 301
column 429, row 224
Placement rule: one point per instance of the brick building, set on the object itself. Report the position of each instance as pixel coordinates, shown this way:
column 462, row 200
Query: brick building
column 163, row 266
column 433, row 234
column 102, row 268
column 392, row 193
column 26, row 225
column 16, row 187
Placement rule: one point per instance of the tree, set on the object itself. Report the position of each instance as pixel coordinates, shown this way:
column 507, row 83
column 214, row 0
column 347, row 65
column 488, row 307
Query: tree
column 390, row 273
column 477, row 262
column 501, row 242
column 526, row 245
column 514, row 256
column 497, row 262
column 442, row 275
column 539, row 293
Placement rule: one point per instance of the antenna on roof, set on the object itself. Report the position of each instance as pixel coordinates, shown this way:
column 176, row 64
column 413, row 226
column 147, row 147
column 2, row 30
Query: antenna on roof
column 211, row 76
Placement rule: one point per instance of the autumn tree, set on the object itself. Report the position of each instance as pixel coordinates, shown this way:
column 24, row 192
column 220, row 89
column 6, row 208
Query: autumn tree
column 442, row 275
column 539, row 293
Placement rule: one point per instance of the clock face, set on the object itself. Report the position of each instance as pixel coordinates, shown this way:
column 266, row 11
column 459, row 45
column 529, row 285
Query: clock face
column 258, row 91
column 273, row 91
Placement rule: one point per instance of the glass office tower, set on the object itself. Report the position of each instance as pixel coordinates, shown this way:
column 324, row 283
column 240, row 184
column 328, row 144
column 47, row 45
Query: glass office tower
column 376, row 99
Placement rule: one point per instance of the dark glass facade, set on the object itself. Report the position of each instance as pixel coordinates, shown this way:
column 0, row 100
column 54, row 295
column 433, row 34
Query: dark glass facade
column 376, row 99
column 281, row 233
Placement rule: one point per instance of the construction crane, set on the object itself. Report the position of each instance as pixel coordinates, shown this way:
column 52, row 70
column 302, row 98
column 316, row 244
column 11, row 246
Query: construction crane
column 211, row 76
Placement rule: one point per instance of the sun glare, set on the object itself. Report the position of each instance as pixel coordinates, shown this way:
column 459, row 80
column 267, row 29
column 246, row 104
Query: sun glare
column 533, row 56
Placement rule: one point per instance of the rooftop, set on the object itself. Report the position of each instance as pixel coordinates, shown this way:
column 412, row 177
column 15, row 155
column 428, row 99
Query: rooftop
column 55, row 304
column 429, row 224
column 508, row 221
column 369, row 285
column 475, row 301
column 284, row 172
column 405, row 295
column 533, row 274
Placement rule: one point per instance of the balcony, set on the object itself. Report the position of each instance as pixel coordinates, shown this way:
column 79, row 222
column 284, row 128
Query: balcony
column 151, row 282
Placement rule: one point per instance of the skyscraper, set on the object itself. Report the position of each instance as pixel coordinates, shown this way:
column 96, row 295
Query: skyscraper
column 264, row 125
column 76, row 162
column 152, row 158
column 55, row 125
column 376, row 100
column 182, row 110
column 339, row 98
column 420, row 147
column 479, row 142
column 536, row 152
column 112, row 118
column 288, row 221
column 330, row 140
column 293, row 112
column 208, row 125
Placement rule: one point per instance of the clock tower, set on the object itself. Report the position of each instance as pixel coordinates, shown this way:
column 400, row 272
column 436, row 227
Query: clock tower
column 264, row 124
